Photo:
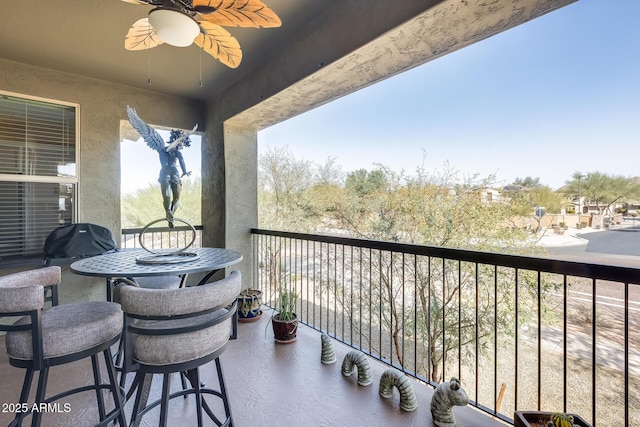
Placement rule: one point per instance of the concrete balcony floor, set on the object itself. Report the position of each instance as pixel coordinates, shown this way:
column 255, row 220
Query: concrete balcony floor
column 270, row 385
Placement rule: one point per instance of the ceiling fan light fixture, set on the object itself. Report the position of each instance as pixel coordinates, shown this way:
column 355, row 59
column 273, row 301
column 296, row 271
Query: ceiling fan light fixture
column 174, row 27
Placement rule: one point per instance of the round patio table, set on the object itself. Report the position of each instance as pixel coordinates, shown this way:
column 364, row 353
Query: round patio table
column 125, row 264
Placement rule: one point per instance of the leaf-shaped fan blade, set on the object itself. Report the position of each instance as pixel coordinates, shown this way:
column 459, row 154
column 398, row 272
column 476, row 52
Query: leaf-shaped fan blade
column 239, row 13
column 220, row 44
column 141, row 36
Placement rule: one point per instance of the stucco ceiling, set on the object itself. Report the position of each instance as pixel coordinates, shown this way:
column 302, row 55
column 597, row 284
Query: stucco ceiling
column 87, row 38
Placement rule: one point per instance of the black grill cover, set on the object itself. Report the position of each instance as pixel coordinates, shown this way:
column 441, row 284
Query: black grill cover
column 78, row 241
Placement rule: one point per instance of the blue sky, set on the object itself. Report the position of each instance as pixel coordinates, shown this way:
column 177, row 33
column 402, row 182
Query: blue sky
column 555, row 95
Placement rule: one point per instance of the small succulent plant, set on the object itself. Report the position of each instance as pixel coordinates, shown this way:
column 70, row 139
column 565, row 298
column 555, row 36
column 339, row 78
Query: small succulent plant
column 561, row 420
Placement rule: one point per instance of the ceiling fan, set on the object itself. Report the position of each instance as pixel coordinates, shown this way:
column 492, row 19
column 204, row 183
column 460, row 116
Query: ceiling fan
column 183, row 22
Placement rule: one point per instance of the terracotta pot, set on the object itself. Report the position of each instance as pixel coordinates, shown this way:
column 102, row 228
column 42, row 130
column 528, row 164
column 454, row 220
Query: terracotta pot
column 249, row 304
column 284, row 331
column 540, row 419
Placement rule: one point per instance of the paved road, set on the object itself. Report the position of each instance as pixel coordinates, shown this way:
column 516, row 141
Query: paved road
column 620, row 246
column 621, row 241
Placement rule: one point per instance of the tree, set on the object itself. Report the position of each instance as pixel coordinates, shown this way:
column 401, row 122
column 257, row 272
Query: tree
column 329, row 173
column 603, row 189
column 436, row 210
column 527, row 183
column 528, row 194
column 282, row 183
column 363, row 183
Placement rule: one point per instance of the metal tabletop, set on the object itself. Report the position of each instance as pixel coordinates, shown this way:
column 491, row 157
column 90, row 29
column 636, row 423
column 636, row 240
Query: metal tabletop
column 123, row 263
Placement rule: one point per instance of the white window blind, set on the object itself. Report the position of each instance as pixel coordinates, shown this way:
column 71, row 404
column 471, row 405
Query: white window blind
column 37, row 172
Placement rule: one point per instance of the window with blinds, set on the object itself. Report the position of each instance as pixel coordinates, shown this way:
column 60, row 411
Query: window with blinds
column 37, row 172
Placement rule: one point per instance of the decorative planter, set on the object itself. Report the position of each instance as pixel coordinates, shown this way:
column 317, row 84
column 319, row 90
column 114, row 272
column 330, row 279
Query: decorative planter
column 284, row 331
column 540, row 419
column 249, row 304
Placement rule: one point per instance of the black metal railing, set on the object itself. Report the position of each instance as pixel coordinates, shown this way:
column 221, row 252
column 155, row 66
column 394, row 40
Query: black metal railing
column 521, row 333
column 161, row 237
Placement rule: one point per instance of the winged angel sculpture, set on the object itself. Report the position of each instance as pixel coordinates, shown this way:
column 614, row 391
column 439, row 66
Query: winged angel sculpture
column 169, row 153
column 211, row 16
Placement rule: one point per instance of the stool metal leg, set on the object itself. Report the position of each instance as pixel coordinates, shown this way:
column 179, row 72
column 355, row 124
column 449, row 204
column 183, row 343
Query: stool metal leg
column 222, row 395
column 24, row 396
column 142, row 385
column 36, row 419
column 164, row 405
column 97, row 381
column 118, row 398
column 184, row 383
column 223, row 391
column 195, row 381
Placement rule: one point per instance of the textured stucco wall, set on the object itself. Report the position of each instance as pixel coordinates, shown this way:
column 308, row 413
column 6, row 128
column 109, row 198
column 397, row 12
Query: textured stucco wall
column 241, row 175
column 442, row 29
column 102, row 107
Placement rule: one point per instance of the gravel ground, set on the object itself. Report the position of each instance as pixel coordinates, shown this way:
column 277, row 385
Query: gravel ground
column 609, row 376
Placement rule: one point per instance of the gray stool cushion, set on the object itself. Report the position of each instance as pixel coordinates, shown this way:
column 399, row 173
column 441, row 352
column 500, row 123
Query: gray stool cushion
column 152, row 282
column 68, row 329
column 158, row 350
column 159, row 282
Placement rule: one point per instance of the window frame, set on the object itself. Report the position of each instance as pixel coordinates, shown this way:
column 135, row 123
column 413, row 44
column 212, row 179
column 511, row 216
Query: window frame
column 24, row 178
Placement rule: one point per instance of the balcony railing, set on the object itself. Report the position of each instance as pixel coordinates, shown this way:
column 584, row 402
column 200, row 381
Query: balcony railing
column 520, row 332
column 161, row 237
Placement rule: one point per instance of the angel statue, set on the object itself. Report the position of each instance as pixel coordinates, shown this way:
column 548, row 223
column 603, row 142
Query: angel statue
column 169, row 153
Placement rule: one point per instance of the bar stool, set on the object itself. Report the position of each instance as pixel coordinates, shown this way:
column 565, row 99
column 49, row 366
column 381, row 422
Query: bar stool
column 170, row 331
column 42, row 338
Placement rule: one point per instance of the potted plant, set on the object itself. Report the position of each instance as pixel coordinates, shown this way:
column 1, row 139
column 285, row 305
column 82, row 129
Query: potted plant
column 285, row 321
column 547, row 419
column 249, row 303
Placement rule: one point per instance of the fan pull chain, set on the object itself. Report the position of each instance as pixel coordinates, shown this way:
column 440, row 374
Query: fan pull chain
column 148, row 41
column 200, row 67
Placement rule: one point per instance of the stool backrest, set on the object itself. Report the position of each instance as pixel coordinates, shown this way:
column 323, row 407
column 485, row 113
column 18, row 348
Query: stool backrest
column 167, row 324
column 24, row 290
column 22, row 294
